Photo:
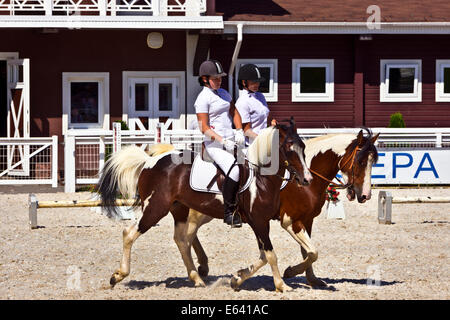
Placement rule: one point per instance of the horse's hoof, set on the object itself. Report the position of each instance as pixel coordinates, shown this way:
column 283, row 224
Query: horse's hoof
column 234, row 283
column 315, row 282
column 284, row 288
column 289, row 273
column 200, row 284
column 203, row 271
column 116, row 278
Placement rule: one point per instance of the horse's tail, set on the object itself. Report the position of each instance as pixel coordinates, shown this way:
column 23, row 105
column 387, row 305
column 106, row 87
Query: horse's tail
column 121, row 173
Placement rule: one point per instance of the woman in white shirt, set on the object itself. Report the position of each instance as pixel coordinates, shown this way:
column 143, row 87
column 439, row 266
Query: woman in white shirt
column 216, row 115
column 252, row 105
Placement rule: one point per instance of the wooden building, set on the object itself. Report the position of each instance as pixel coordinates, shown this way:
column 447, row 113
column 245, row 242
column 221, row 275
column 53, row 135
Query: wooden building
column 67, row 65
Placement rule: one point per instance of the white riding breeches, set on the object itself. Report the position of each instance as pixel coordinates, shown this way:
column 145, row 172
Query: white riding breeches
column 224, row 160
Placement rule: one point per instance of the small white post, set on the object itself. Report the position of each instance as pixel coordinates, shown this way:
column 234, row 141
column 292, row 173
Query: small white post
column 192, row 8
column 102, row 7
column 158, row 133
column 117, row 141
column 438, row 139
column 69, row 163
column 163, row 7
column 48, row 6
column 32, row 211
column 102, row 152
column 54, row 161
column 155, row 7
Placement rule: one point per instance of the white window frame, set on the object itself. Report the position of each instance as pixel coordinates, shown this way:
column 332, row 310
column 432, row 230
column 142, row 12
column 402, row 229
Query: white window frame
column 272, row 95
column 385, row 66
column 328, row 96
column 102, row 78
column 440, row 95
column 175, row 77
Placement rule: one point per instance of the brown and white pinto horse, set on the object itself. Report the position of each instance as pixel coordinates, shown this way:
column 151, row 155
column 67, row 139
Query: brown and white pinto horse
column 163, row 184
column 351, row 154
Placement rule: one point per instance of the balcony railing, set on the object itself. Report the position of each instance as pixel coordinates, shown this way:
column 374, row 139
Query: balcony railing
column 102, row 7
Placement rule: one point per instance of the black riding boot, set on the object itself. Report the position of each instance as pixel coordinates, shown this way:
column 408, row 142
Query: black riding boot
column 230, row 190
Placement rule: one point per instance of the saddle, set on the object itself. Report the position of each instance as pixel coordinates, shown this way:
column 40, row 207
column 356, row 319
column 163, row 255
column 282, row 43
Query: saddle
column 204, row 175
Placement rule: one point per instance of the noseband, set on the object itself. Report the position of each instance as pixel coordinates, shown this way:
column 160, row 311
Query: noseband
column 350, row 159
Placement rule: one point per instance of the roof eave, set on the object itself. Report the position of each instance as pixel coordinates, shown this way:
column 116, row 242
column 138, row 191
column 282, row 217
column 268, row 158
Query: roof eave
column 282, row 27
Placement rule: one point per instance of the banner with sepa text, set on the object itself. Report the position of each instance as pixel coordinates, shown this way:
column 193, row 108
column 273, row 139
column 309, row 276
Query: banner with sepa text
column 412, row 167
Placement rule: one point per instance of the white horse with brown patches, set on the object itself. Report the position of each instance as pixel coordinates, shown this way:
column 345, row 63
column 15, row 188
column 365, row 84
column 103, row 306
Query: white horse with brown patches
column 164, row 185
column 353, row 155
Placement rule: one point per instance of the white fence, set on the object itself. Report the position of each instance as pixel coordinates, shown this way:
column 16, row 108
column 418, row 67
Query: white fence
column 407, row 156
column 100, row 7
column 29, row 161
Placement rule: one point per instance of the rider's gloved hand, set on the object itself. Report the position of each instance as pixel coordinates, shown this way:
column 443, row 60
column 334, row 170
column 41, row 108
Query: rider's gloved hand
column 228, row 144
column 239, row 137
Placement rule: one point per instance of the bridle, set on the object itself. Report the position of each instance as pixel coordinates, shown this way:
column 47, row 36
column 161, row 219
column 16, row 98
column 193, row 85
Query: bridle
column 350, row 159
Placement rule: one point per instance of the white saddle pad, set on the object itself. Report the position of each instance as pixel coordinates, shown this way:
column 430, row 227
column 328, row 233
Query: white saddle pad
column 202, row 173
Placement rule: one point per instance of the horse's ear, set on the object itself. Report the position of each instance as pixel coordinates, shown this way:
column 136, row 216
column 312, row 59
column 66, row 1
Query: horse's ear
column 292, row 122
column 375, row 138
column 360, row 138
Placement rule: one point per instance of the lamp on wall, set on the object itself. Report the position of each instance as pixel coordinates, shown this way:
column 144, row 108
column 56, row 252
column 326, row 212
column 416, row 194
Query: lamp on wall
column 155, row 40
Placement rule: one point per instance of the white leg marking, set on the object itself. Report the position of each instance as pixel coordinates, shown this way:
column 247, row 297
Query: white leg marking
column 273, row 261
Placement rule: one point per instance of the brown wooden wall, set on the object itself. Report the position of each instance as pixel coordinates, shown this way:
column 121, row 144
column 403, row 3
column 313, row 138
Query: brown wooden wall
column 427, row 113
column 110, row 51
column 348, row 51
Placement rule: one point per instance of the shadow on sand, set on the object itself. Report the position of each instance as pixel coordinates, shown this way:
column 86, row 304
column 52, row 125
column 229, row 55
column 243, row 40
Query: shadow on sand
column 255, row 283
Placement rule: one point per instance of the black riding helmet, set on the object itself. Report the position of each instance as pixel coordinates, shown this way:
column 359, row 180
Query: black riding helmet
column 210, row 68
column 249, row 72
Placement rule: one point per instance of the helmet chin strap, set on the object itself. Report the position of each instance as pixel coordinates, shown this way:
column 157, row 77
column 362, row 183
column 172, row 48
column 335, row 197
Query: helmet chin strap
column 246, row 87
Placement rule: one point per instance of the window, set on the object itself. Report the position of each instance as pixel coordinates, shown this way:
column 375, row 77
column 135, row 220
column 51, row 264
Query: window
column 443, row 80
column 400, row 81
column 313, row 80
column 269, row 71
column 85, row 100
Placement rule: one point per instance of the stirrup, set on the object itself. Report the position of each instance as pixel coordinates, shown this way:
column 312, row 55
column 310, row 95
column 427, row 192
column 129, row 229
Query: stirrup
column 234, row 219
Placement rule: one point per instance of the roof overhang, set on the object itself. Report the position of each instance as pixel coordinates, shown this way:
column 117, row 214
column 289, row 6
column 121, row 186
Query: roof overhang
column 112, row 22
column 266, row 27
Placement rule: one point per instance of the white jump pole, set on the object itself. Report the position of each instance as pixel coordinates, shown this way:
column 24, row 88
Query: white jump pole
column 34, row 204
column 385, row 201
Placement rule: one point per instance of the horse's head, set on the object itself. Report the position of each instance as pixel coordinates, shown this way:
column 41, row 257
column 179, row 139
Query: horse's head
column 356, row 166
column 292, row 153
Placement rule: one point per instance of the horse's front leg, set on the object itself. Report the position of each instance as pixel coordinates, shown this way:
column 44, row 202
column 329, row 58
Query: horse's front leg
column 300, row 233
column 309, row 252
column 267, row 255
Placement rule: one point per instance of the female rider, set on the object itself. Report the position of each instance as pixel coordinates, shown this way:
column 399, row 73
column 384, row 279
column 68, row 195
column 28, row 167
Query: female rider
column 216, row 114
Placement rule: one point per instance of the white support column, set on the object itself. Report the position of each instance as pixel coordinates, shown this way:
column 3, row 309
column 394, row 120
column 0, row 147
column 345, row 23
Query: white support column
column 54, row 161
column 69, row 164
column 48, row 6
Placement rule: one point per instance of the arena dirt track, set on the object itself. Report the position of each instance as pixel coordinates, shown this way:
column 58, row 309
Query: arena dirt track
column 74, row 252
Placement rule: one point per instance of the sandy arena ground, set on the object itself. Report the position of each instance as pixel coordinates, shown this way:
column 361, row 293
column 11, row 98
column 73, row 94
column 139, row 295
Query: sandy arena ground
column 74, row 252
